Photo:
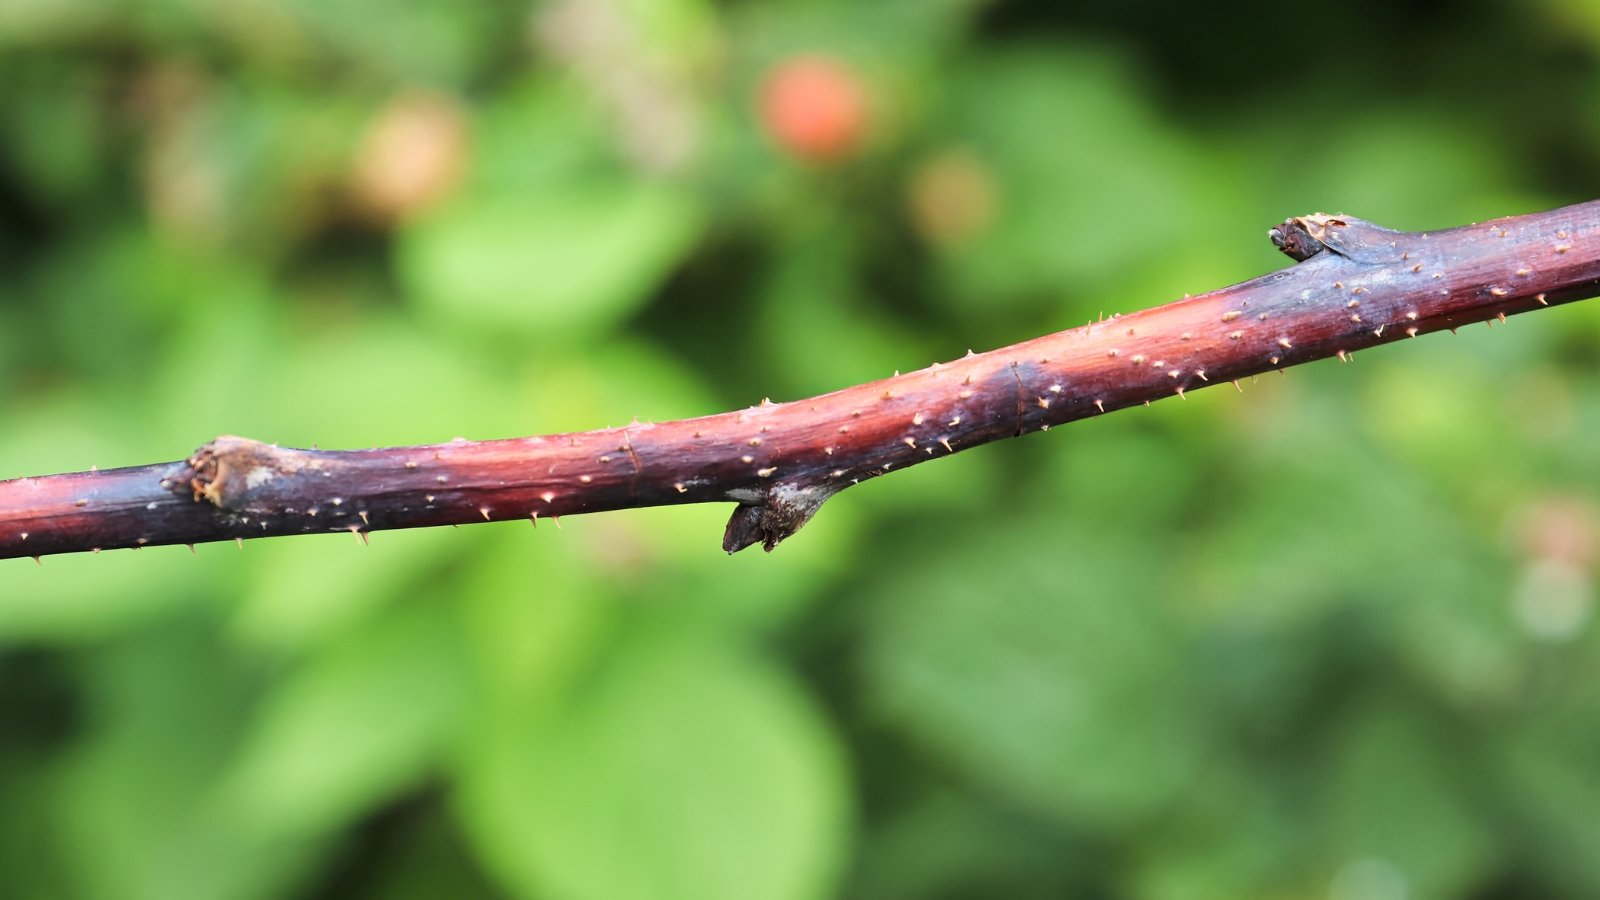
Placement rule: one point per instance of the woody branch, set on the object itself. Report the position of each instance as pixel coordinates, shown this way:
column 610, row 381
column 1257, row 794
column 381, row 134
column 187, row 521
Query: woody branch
column 1354, row 285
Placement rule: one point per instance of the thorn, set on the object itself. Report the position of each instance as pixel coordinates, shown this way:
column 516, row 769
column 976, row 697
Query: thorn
column 1044, row 402
column 1540, row 298
column 1342, row 357
column 484, row 511
column 192, row 550
column 557, row 520
column 767, row 472
column 547, row 496
column 1412, row 315
column 1147, row 404
column 909, row 441
column 954, row 421
column 1201, row 373
column 1379, row 330
column 363, row 515
column 1173, row 373
column 25, row 535
column 1355, row 317
column 1274, row 360
column 38, row 561
column 1180, row 394
column 1113, row 352
column 240, row 542
column 1055, row 388
column 1231, row 314
column 916, row 419
column 828, row 450
column 1411, row 332
column 362, row 535
column 1237, row 387
column 585, row 479
column 1101, row 405
column 1498, row 292
column 1235, row 335
column 533, row 517
column 680, row 488
column 946, row 445
column 1284, row 343
column 968, row 379
column 1502, row 317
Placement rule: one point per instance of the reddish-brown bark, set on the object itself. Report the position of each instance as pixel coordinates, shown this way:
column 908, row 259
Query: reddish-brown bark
column 1355, row 285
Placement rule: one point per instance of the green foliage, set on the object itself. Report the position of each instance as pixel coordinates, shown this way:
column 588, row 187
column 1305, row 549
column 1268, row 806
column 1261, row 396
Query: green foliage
column 1333, row 637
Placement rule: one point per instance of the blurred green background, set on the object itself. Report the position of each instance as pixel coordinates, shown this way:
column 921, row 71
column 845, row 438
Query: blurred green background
column 1331, row 638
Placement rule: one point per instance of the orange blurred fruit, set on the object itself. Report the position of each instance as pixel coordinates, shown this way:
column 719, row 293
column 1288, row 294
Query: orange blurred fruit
column 814, row 108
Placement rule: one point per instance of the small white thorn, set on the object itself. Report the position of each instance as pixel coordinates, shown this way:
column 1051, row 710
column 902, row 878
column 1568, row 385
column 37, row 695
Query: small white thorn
column 767, row 472
column 1100, row 404
column 547, row 496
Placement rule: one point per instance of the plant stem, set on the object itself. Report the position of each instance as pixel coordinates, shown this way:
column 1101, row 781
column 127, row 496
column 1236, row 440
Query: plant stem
column 1355, row 285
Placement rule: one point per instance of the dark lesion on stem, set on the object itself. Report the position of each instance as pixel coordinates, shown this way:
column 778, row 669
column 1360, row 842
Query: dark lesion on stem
column 228, row 470
column 1302, row 237
column 781, row 512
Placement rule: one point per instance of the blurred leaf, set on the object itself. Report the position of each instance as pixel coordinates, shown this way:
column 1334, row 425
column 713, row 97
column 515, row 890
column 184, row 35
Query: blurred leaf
column 570, row 260
column 358, row 721
column 1394, row 795
column 134, row 806
column 546, row 241
column 678, row 771
column 1046, row 676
